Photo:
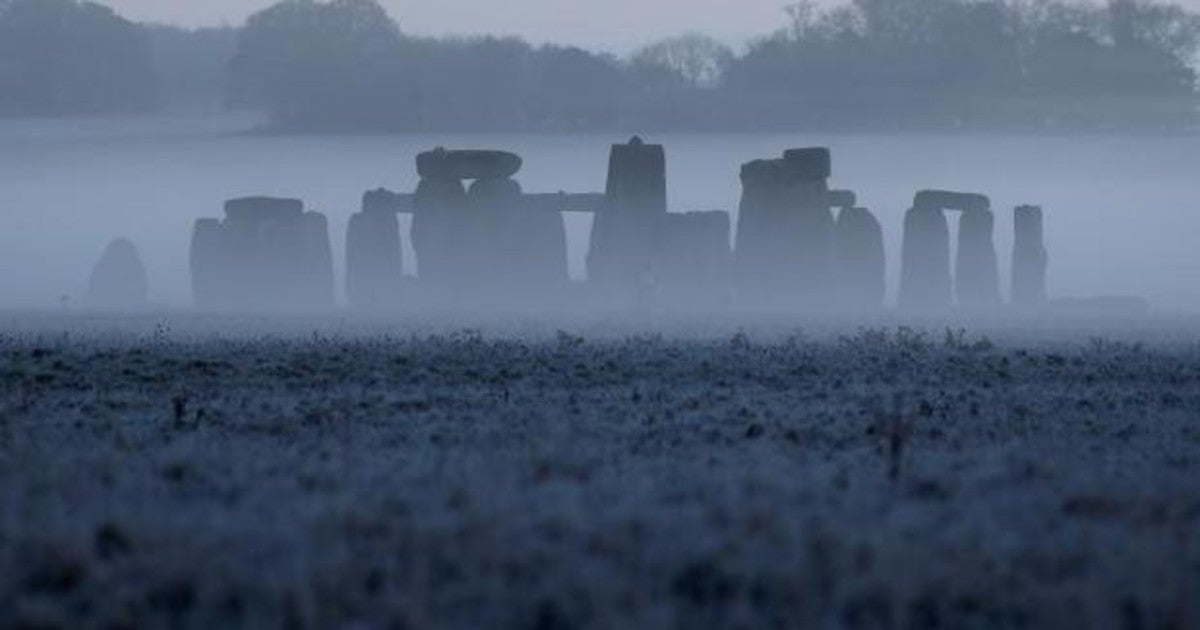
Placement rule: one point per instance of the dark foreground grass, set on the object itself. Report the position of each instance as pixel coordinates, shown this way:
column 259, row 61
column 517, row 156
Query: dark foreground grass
column 886, row 478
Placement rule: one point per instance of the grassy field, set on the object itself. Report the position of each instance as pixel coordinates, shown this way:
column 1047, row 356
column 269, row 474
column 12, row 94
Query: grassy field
column 191, row 472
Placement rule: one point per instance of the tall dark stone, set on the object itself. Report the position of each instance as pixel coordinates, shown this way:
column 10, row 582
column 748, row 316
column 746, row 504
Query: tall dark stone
column 766, row 252
column 438, row 233
column 977, row 273
column 925, row 282
column 1030, row 260
column 625, row 234
column 490, row 236
column 374, row 260
column 861, row 265
column 209, row 259
column 810, row 170
column 118, row 280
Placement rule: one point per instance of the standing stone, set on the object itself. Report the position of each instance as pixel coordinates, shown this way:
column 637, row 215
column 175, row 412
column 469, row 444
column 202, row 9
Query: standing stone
column 253, row 269
column 810, row 169
column 624, row 235
column 977, row 273
column 861, row 265
column 767, row 234
column 925, row 260
column 118, row 280
column 491, row 238
column 437, row 231
column 374, row 260
column 695, row 261
column 209, row 265
column 1030, row 259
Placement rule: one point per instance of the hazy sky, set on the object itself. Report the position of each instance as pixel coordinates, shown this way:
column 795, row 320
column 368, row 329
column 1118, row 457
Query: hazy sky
column 608, row 24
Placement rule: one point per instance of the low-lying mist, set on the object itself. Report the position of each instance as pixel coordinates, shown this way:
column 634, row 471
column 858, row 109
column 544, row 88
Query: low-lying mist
column 1118, row 215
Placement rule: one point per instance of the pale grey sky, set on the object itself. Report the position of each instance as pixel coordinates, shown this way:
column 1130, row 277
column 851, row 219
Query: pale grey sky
column 604, row 24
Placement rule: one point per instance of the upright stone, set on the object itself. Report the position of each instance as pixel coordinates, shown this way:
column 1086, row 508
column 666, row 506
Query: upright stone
column 374, row 260
column 257, row 231
column 491, row 236
column 118, row 281
column 1030, row 259
column 437, row 231
column 810, row 169
column 209, row 265
column 765, row 255
column 977, row 274
column 861, row 265
column 925, row 260
column 625, row 234
column 317, row 261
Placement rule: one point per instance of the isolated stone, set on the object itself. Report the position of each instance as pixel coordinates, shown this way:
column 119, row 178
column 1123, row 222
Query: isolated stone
column 977, row 273
column 1030, row 259
column 374, row 260
column 861, row 265
column 118, row 279
column 467, row 164
column 625, row 234
column 925, row 260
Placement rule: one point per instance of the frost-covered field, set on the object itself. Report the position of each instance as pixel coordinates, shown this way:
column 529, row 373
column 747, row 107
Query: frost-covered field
column 202, row 473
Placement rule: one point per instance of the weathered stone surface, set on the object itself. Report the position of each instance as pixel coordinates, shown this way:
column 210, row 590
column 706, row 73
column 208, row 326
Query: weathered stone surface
column 118, row 280
column 949, row 200
column 695, row 260
column 1030, row 260
column 809, row 164
column 625, row 235
column 467, row 164
column 861, row 265
column 258, row 210
column 374, row 260
column 438, row 230
column 977, row 273
column 925, row 282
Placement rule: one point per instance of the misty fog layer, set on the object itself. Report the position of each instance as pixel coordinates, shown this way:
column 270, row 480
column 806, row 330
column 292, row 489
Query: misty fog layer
column 1120, row 213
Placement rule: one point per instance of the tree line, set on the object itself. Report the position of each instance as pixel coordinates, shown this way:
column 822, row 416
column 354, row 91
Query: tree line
column 346, row 65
